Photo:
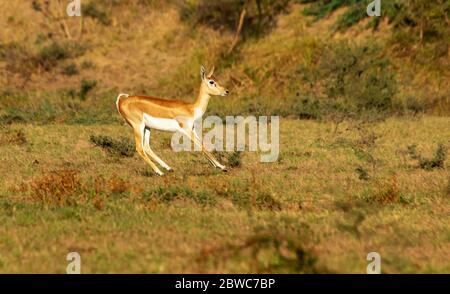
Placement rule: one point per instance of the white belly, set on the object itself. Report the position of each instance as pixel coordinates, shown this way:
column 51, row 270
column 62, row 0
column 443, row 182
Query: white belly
column 162, row 124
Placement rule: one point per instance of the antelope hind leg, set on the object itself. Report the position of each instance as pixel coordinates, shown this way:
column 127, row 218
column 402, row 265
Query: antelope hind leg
column 139, row 148
column 148, row 150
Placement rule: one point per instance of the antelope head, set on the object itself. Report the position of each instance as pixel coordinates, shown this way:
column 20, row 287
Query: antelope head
column 211, row 85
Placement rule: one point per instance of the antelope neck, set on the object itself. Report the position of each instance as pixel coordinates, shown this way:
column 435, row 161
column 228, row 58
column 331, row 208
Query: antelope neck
column 201, row 103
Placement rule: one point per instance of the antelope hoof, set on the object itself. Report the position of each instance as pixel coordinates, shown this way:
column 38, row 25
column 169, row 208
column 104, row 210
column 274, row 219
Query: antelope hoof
column 170, row 170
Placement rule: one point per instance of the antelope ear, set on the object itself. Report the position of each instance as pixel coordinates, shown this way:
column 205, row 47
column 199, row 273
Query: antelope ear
column 211, row 72
column 202, row 72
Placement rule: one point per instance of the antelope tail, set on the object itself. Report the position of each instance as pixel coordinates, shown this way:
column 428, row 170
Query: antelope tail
column 118, row 105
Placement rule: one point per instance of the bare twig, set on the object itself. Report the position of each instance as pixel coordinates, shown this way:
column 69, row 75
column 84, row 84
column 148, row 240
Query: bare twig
column 54, row 18
column 63, row 22
column 239, row 28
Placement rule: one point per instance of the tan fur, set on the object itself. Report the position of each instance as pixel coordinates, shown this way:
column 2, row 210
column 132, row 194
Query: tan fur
column 133, row 108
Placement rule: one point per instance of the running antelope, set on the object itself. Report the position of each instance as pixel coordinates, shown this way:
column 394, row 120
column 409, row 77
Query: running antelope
column 144, row 113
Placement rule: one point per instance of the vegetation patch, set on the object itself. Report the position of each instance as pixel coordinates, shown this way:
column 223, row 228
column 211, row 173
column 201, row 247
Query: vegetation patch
column 427, row 28
column 234, row 159
column 70, row 69
column 437, row 161
column 97, row 12
column 173, row 193
column 257, row 16
column 271, row 249
column 121, row 147
column 49, row 56
column 386, row 192
column 56, row 188
column 15, row 137
column 86, row 87
column 357, row 78
column 265, row 201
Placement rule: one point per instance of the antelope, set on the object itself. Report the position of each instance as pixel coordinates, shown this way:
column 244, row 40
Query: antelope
column 144, row 113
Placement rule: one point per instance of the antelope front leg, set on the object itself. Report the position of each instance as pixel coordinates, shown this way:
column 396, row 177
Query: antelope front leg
column 194, row 138
column 215, row 162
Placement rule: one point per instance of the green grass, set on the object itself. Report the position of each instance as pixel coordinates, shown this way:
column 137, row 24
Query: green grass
column 309, row 212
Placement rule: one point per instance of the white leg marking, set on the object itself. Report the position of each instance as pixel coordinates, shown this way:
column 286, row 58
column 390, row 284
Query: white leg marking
column 150, row 152
column 142, row 131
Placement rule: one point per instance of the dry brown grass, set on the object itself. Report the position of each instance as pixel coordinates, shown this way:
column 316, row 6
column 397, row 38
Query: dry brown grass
column 387, row 192
column 57, row 187
column 66, row 187
column 16, row 137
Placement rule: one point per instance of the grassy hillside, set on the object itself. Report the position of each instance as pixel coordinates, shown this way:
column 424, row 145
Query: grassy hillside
column 364, row 139
column 302, row 66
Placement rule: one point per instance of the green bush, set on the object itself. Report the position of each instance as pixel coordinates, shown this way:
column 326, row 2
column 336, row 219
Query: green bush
column 18, row 59
column 437, row 161
column 265, row 201
column 70, row 69
column 97, row 12
column 172, row 193
column 122, row 147
column 49, row 56
column 86, row 87
column 234, row 159
column 357, row 77
column 414, row 22
column 322, row 8
column 21, row 60
column 363, row 174
column 225, row 14
column 288, row 245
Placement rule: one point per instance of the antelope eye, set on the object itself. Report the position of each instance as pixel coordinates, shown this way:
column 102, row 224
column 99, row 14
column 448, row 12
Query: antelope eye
column 211, row 82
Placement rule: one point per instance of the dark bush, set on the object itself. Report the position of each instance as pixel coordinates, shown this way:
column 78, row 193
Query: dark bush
column 70, row 69
column 18, row 59
column 322, row 8
column 224, row 14
column 288, row 245
column 357, row 76
column 16, row 137
column 234, row 159
column 86, row 87
column 428, row 28
column 363, row 174
column 265, row 201
column 97, row 12
column 172, row 193
column 122, row 147
column 437, row 161
column 50, row 55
